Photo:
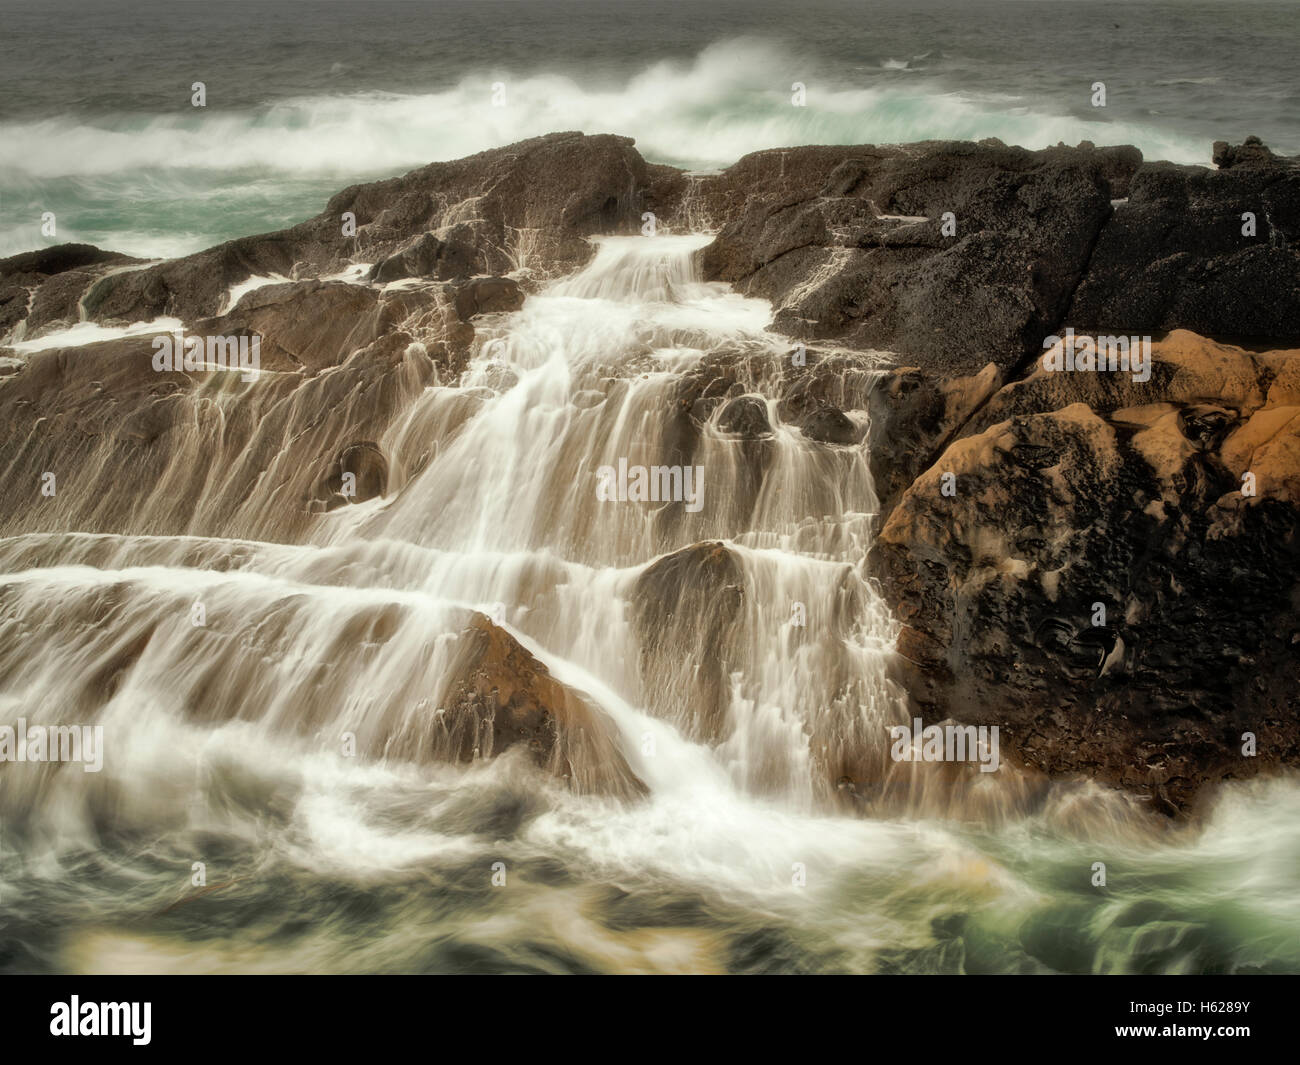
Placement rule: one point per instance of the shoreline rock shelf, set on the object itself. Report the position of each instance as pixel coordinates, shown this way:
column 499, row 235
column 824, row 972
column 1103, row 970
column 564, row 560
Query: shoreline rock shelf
column 921, row 281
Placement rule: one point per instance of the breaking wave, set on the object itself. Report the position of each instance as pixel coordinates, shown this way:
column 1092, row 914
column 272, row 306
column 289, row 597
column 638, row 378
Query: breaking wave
column 240, row 171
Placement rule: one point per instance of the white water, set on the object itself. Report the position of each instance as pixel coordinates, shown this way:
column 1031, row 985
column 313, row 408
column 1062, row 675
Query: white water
column 224, row 742
column 182, row 179
column 732, row 99
column 93, row 333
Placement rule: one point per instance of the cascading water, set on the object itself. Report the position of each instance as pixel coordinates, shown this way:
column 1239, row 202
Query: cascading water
column 773, row 833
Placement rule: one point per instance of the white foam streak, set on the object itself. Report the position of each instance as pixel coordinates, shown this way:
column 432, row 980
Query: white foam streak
column 234, row 726
column 90, row 333
column 705, row 113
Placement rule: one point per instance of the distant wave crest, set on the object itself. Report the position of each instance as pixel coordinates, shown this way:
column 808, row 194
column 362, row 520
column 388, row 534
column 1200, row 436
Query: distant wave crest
column 729, row 101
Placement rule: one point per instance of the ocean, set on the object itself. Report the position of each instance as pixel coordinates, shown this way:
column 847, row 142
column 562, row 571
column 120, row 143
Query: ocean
column 228, row 831
column 304, row 97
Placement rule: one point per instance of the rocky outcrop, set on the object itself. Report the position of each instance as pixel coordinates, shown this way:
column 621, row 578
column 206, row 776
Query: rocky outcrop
column 498, row 695
column 1214, row 251
column 917, row 284
column 40, row 288
column 525, row 207
column 685, row 609
column 1107, row 563
column 1074, row 493
column 850, row 244
column 950, row 255
column 1110, row 570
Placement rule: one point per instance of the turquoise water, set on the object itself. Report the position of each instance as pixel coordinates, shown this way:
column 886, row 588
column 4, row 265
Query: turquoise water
column 321, row 863
column 305, row 97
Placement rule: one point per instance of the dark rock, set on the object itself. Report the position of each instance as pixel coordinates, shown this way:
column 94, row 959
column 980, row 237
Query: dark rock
column 59, row 258
column 913, row 417
column 488, row 295
column 587, row 399
column 190, row 287
column 42, row 288
column 745, row 416
column 837, row 263
column 368, row 467
column 829, row 426
column 685, row 609
column 498, row 695
column 1175, row 255
column 1137, row 507
column 1250, row 152
column 425, row 256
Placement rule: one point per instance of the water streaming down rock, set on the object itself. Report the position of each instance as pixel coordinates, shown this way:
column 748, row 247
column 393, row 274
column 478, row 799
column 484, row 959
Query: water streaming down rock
column 716, row 675
column 584, row 376
column 507, row 512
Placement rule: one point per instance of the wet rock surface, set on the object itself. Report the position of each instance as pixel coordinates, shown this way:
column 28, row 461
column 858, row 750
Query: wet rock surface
column 685, row 609
column 1070, row 490
column 187, row 449
column 950, row 254
column 1111, row 573
column 919, row 282
column 499, row 696
column 41, row 287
